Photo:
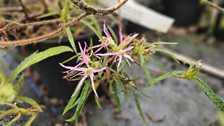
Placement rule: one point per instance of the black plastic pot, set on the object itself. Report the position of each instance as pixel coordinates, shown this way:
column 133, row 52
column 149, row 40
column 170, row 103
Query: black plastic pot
column 219, row 28
column 185, row 12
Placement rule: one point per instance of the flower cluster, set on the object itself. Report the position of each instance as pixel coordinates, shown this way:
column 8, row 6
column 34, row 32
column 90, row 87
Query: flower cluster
column 86, row 67
column 118, row 51
column 85, row 71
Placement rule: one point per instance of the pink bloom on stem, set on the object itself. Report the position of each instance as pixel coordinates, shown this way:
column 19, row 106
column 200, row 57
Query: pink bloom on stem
column 122, row 53
column 106, row 32
column 85, row 71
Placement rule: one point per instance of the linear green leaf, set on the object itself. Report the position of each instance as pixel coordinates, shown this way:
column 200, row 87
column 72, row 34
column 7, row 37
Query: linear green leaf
column 29, row 101
column 167, row 52
column 211, row 95
column 220, row 116
column 166, row 75
column 138, row 91
column 145, row 68
column 31, row 119
column 139, row 108
column 47, row 15
column 98, row 102
column 13, row 120
column 2, row 78
column 19, row 84
column 113, row 90
column 96, row 23
column 124, row 90
column 91, row 28
column 65, row 16
column 83, row 98
column 113, row 34
column 2, row 75
column 71, row 103
column 71, row 38
column 37, row 57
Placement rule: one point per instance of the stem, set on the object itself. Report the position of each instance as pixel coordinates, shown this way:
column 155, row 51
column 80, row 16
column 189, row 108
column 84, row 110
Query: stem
column 25, row 10
column 213, row 5
column 43, row 37
column 100, row 11
column 10, row 26
column 88, row 10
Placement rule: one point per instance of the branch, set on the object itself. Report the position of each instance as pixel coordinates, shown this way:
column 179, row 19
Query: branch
column 213, row 5
column 25, row 10
column 43, row 37
column 12, row 26
column 88, row 10
column 100, row 11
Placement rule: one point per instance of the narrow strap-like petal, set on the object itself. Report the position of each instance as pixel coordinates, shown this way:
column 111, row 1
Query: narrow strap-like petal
column 127, row 61
column 129, row 48
column 78, row 87
column 106, row 32
column 119, row 62
column 128, row 57
column 93, row 86
column 129, row 39
column 85, row 58
column 98, row 49
column 121, row 36
column 99, row 70
column 107, row 54
column 73, row 68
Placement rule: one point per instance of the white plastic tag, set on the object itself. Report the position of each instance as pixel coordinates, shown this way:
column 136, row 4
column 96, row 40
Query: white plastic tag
column 142, row 15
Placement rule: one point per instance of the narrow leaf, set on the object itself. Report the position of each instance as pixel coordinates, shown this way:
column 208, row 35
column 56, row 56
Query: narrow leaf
column 71, row 58
column 113, row 34
column 19, row 84
column 29, row 101
column 31, row 119
column 2, row 75
column 83, row 98
column 13, row 120
column 71, row 103
column 211, row 95
column 123, row 64
column 98, row 102
column 2, row 78
column 5, row 113
column 221, row 118
column 164, row 43
column 136, row 90
column 139, row 108
column 148, row 75
column 167, row 52
column 37, row 57
column 124, row 90
column 91, row 28
column 47, row 15
column 97, row 24
column 113, row 90
column 166, row 75
column 71, row 39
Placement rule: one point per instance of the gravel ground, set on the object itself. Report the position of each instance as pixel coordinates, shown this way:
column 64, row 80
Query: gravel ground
column 173, row 102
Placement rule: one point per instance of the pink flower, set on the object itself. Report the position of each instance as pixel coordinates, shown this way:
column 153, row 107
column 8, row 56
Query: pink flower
column 123, row 48
column 85, row 72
